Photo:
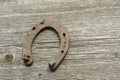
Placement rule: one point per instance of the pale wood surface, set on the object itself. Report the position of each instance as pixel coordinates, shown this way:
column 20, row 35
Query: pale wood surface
column 94, row 29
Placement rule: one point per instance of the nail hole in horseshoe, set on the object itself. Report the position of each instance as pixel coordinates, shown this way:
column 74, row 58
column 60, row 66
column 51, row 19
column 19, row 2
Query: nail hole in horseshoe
column 62, row 51
column 33, row 28
column 28, row 56
column 63, row 34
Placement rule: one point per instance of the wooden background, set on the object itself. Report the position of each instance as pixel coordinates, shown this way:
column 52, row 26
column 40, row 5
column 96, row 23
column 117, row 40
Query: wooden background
column 94, row 29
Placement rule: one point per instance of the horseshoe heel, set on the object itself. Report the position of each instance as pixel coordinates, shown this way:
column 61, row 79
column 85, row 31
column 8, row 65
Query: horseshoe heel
column 32, row 34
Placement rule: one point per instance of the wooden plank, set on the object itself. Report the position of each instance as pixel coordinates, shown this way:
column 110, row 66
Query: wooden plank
column 94, row 31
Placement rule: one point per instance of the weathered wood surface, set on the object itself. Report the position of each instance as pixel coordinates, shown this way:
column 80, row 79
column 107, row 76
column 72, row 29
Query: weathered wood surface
column 94, row 28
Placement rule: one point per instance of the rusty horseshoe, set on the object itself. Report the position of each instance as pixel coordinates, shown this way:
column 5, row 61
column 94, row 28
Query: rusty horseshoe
column 32, row 34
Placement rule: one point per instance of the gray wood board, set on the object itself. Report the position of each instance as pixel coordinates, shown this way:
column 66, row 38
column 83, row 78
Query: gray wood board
column 94, row 29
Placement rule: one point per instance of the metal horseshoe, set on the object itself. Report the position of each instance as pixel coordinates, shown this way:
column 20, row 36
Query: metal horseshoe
column 32, row 34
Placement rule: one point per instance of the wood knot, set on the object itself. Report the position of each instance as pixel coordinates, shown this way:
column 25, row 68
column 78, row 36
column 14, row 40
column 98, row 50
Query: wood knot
column 8, row 57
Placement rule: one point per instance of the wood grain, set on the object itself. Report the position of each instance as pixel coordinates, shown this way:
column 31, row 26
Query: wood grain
column 94, row 29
